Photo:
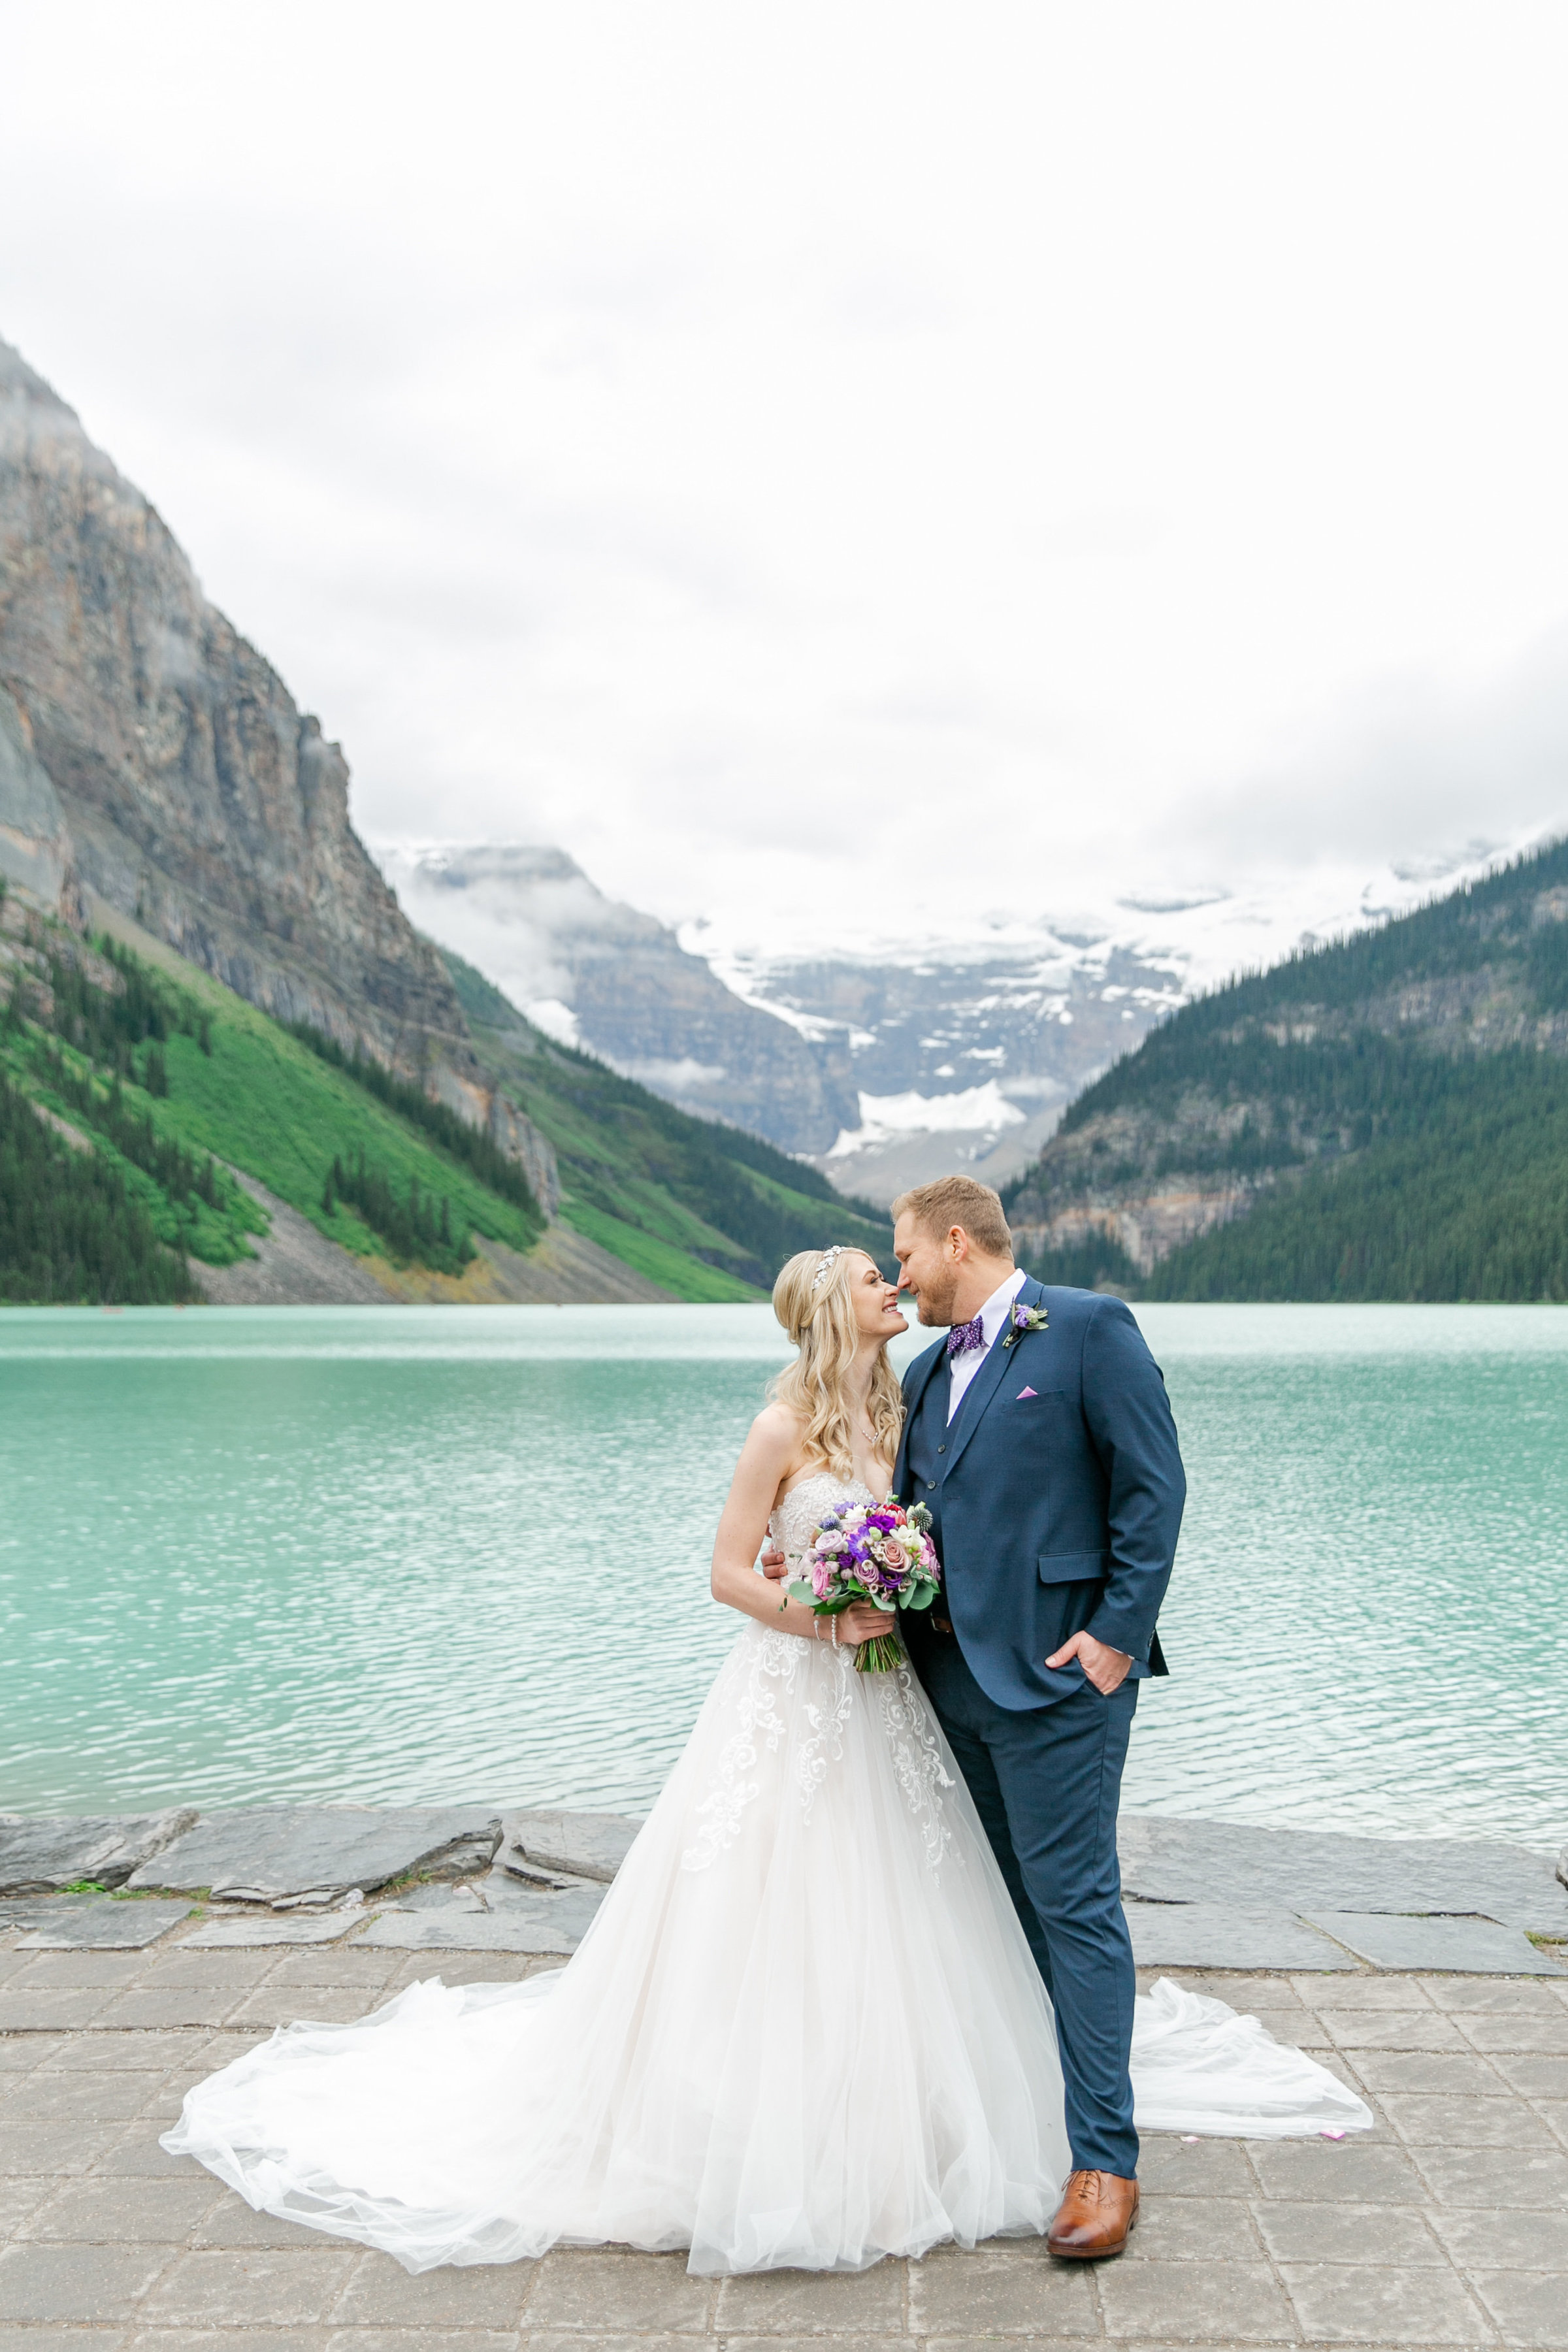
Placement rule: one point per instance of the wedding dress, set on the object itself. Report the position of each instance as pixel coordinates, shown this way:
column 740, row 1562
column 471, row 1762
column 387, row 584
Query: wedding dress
column 803, row 2029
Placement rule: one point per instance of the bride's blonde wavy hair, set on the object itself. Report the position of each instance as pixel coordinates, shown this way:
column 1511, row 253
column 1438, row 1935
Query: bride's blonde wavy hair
column 817, row 1311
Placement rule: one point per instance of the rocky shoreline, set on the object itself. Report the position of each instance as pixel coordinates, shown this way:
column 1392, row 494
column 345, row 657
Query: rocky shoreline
column 475, row 1878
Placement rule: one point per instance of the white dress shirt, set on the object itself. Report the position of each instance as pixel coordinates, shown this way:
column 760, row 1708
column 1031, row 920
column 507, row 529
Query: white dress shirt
column 961, row 1369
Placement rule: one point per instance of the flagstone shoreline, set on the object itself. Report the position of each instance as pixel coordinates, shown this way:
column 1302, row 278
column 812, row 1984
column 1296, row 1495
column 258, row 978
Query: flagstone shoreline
column 1198, row 1894
column 1446, row 2224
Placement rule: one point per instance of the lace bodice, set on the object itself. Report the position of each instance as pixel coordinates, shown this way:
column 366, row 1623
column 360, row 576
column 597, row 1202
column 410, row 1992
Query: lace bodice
column 806, row 1505
column 785, row 1696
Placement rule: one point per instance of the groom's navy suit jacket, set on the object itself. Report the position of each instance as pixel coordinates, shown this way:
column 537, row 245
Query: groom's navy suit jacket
column 1055, row 1510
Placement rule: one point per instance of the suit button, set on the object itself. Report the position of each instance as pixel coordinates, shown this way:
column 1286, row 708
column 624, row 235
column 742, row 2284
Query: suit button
column 941, row 1449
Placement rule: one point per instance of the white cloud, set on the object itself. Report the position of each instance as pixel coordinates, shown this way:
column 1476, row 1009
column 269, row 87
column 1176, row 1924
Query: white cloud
column 1042, row 454
column 556, row 1020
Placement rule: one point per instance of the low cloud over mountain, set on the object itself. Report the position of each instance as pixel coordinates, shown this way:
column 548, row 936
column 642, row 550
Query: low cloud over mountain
column 883, row 1069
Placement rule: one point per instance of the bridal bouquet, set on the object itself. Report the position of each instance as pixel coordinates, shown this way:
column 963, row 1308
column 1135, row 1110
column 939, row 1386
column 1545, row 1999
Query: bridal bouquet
column 879, row 1553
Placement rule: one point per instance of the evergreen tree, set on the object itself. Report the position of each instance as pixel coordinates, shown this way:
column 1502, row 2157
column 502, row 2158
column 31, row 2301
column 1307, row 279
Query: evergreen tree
column 411, row 1229
column 70, row 1231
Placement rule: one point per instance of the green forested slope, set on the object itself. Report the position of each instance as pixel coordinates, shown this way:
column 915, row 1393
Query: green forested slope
column 644, row 1179
column 1385, row 1117
column 151, row 1076
column 165, row 1077
column 71, row 1225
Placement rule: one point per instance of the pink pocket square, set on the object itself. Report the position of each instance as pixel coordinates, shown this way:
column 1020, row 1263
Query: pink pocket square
column 1022, row 1393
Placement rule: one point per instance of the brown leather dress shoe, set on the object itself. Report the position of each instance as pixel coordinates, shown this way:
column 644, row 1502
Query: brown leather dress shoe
column 1097, row 2210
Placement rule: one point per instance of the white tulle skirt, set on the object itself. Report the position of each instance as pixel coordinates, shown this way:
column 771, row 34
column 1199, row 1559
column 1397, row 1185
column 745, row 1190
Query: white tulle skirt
column 803, row 2029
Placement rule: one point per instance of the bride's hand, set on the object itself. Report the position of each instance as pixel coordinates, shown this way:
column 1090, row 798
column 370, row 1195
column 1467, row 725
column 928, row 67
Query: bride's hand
column 862, row 1621
column 773, row 1564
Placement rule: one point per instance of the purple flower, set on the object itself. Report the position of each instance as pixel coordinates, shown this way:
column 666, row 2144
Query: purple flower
column 1024, row 1320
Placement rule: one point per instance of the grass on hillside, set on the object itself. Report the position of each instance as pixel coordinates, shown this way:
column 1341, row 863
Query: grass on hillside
column 632, row 1164
column 178, row 1068
column 120, row 1122
column 684, row 1276
column 264, row 1101
column 72, row 1230
column 165, row 1069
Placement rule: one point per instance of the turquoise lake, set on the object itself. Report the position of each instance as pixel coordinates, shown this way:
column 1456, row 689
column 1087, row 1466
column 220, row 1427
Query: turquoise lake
column 390, row 1554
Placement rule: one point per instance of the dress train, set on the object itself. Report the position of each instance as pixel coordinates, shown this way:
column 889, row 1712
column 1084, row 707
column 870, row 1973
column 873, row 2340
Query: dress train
column 804, row 2029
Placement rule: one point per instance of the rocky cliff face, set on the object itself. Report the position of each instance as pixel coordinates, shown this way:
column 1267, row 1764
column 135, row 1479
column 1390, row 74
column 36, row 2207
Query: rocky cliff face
column 196, row 797
column 35, row 846
column 591, row 972
column 154, row 767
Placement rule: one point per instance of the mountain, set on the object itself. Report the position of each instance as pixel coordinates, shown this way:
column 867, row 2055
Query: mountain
column 1385, row 1116
column 231, row 1067
column 963, row 1059
column 160, row 1138
column 967, row 1040
column 194, row 794
column 910, row 1051
column 592, row 973
column 881, row 1070
column 649, row 1181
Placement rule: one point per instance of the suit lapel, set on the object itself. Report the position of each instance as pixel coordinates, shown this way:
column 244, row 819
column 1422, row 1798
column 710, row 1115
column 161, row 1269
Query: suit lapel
column 987, row 1380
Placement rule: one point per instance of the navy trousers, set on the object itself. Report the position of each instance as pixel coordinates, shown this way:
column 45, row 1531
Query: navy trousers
column 1045, row 1784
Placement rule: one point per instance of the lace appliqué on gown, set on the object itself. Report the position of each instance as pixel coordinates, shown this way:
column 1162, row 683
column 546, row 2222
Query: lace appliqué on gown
column 827, row 1716
column 748, row 1680
column 822, row 1683
column 917, row 1758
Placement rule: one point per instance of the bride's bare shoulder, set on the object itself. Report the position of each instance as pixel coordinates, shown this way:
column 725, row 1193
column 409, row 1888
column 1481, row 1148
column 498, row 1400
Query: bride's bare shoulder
column 776, row 1431
column 770, row 1452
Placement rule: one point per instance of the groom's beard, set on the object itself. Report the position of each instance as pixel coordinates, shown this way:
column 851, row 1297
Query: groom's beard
column 935, row 1304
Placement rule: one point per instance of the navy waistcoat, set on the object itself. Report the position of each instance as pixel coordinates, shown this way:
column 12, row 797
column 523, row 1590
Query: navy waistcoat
column 928, row 1431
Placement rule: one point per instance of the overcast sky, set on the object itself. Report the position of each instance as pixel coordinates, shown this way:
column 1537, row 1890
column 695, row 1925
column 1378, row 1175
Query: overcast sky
column 1046, row 451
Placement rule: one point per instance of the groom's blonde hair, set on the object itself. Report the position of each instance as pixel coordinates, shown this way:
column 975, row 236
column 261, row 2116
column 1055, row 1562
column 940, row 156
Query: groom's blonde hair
column 959, row 1200
column 811, row 1300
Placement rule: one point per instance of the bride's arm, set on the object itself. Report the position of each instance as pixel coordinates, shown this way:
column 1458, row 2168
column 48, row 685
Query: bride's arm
column 768, row 1455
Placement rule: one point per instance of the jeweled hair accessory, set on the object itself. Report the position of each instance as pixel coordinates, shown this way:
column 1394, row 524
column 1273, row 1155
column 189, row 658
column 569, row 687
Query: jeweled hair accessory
column 826, row 1269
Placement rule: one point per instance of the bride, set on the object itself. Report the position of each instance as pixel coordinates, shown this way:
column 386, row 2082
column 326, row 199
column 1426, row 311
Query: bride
column 804, row 2028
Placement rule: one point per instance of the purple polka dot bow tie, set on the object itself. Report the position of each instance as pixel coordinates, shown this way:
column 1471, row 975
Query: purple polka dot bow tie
column 964, row 1336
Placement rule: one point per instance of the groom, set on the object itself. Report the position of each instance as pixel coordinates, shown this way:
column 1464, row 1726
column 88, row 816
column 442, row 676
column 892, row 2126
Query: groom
column 1039, row 1435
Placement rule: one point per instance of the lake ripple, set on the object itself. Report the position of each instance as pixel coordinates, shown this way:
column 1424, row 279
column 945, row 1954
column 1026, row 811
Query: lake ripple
column 379, row 1555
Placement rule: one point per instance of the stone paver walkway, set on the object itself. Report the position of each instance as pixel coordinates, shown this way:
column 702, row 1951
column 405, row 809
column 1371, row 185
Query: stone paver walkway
column 1448, row 2225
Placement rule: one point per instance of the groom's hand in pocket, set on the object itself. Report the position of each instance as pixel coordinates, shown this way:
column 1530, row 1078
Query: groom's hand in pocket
column 1106, row 1668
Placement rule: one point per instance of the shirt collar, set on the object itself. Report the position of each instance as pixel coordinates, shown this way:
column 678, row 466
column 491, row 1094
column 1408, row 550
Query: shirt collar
column 994, row 1314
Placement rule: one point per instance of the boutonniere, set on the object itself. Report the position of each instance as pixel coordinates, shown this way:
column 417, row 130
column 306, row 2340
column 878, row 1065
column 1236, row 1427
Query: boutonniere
column 1022, row 1320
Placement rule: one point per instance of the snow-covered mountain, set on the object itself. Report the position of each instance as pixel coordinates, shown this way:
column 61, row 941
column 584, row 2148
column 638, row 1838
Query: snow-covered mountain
column 966, row 1043
column 591, row 972
column 963, row 1057
column 922, row 1051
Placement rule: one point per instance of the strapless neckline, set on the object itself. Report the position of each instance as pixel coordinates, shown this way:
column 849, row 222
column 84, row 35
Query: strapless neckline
column 801, row 1510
